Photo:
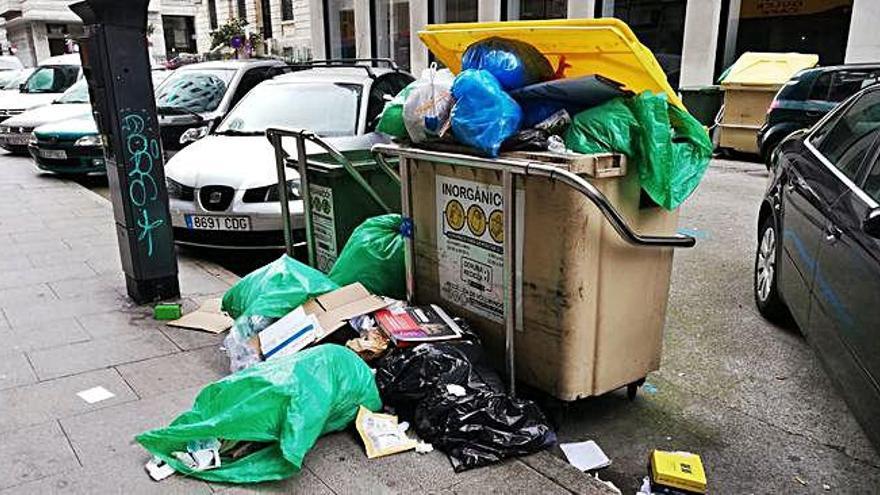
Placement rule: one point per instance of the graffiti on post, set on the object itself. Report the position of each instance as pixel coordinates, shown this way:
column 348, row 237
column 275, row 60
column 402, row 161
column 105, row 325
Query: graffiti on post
column 142, row 150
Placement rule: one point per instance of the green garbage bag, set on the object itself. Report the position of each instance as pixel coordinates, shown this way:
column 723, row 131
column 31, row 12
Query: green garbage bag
column 276, row 289
column 391, row 121
column 668, row 146
column 373, row 256
column 288, row 402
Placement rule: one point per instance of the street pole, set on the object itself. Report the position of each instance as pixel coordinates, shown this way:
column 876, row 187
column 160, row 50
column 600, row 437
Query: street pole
column 117, row 67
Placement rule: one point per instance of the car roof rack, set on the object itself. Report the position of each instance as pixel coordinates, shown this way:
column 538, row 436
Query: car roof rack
column 357, row 63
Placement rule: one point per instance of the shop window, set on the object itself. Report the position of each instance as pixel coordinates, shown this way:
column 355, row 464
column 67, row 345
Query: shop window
column 286, row 10
column 339, row 26
column 659, row 25
column 537, row 9
column 391, row 30
column 454, row 11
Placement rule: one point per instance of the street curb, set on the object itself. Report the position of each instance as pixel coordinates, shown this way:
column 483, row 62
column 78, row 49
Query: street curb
column 564, row 474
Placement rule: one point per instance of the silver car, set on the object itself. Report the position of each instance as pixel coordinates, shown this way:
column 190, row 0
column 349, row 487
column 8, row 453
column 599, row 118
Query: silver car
column 222, row 188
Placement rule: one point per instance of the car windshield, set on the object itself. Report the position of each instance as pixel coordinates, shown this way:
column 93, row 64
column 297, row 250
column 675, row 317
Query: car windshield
column 194, row 90
column 78, row 93
column 328, row 109
column 52, row 79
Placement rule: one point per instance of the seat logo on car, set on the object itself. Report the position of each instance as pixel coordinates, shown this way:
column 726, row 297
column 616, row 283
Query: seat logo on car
column 215, row 197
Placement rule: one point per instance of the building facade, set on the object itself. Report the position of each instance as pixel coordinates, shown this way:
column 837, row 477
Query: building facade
column 693, row 40
column 285, row 25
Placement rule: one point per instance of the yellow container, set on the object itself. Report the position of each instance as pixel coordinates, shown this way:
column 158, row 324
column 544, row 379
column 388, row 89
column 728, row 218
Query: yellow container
column 681, row 470
column 589, row 46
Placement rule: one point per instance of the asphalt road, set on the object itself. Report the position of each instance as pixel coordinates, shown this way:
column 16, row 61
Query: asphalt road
column 749, row 397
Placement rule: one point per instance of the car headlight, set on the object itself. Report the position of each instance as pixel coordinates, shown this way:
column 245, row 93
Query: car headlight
column 92, row 140
column 5, row 130
column 33, row 140
column 293, row 191
column 193, row 134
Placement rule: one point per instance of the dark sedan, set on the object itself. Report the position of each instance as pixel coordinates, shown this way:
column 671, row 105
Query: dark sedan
column 818, row 256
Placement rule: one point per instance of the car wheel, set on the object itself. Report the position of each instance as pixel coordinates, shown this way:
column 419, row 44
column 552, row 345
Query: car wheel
column 767, row 298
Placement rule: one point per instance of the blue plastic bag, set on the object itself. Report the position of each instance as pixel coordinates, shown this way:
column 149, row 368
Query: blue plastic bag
column 483, row 115
column 514, row 63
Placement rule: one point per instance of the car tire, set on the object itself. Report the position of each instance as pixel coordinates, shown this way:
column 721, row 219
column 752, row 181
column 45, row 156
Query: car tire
column 765, row 278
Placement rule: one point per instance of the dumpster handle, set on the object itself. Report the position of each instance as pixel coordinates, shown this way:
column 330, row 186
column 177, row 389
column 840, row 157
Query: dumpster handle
column 283, row 199
column 380, row 159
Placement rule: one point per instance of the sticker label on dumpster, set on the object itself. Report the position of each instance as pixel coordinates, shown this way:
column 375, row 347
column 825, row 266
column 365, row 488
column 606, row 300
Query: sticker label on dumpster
column 470, row 245
column 323, row 226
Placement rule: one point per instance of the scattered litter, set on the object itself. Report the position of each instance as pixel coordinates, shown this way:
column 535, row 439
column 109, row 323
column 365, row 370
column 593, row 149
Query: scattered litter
column 95, row 394
column 333, row 309
column 200, row 455
column 585, row 456
column 288, row 335
column 781, row 377
column 456, row 390
column 381, row 434
column 370, row 345
column 158, row 469
column 670, row 471
column 826, row 487
column 681, row 374
column 645, row 489
column 800, row 480
column 407, row 324
column 611, row 486
column 208, row 318
column 424, row 448
column 166, row 311
column 649, row 388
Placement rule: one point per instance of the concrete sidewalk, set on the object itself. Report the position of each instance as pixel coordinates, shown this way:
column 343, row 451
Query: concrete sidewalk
column 67, row 326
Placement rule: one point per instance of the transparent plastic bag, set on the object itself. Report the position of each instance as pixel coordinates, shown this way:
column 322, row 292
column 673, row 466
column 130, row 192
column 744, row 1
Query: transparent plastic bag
column 428, row 104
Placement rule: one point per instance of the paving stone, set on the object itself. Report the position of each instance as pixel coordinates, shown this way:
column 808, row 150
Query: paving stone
column 14, row 369
column 118, row 324
column 34, row 453
column 50, row 246
column 30, row 313
column 28, row 294
column 188, row 339
column 338, row 459
column 303, row 482
column 13, row 261
column 46, row 401
column 509, row 477
column 97, row 354
column 46, row 334
column 180, row 371
column 110, row 432
column 107, row 286
column 114, row 476
column 33, row 276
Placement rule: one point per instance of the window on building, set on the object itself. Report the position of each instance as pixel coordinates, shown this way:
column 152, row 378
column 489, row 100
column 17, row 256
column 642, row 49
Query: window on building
column 242, row 9
column 537, row 9
column 212, row 14
column 267, row 19
column 179, row 34
column 339, row 26
column 286, row 10
column 454, row 11
column 391, row 30
column 659, row 25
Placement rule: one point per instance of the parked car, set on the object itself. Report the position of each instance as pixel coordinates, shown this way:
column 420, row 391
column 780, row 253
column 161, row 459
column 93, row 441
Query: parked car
column 10, row 63
column 69, row 147
column 223, row 190
column 196, row 97
column 50, row 79
column 11, row 80
column 15, row 132
column 818, row 255
column 807, row 97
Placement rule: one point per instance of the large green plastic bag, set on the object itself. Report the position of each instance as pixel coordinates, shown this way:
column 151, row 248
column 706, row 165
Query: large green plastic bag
column 669, row 147
column 391, row 121
column 288, row 401
column 373, row 256
column 276, row 289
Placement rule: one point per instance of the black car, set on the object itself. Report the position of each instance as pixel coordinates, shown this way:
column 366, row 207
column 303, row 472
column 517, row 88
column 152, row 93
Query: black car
column 807, row 97
column 818, row 256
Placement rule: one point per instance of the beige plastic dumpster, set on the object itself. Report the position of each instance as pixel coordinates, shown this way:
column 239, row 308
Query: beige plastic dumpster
column 590, row 305
column 749, row 87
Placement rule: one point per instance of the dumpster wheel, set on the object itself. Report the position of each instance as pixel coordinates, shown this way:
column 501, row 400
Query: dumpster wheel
column 633, row 387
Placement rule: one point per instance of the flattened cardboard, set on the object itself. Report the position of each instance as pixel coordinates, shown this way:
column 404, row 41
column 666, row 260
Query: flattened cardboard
column 208, row 318
column 334, row 309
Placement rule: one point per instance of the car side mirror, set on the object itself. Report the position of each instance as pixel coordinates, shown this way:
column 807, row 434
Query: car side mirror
column 871, row 225
column 22, row 88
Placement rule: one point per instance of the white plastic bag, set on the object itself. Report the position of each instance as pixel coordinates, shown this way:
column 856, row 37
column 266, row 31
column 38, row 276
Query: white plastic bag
column 427, row 106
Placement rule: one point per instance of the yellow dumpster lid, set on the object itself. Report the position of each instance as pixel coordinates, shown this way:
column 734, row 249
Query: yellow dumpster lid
column 604, row 46
column 767, row 69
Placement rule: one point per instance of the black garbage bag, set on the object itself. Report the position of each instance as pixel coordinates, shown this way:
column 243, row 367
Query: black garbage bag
column 457, row 403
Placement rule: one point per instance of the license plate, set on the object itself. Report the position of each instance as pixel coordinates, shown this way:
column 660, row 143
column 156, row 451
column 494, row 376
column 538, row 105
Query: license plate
column 205, row 222
column 16, row 139
column 52, row 154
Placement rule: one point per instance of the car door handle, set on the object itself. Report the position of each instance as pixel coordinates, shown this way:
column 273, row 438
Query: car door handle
column 796, row 183
column 832, row 233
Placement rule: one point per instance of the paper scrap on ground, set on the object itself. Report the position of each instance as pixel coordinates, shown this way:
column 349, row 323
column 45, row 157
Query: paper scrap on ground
column 381, row 433
column 586, row 456
column 158, row 469
column 95, row 394
column 209, row 318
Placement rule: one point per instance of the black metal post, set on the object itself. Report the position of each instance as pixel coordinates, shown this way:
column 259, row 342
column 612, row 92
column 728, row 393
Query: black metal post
column 117, row 66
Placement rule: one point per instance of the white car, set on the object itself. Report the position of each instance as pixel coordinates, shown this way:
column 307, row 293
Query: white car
column 15, row 132
column 223, row 188
column 50, row 79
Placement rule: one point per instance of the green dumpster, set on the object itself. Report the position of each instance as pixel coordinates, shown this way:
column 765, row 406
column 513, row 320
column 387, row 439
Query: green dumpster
column 703, row 102
column 339, row 203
